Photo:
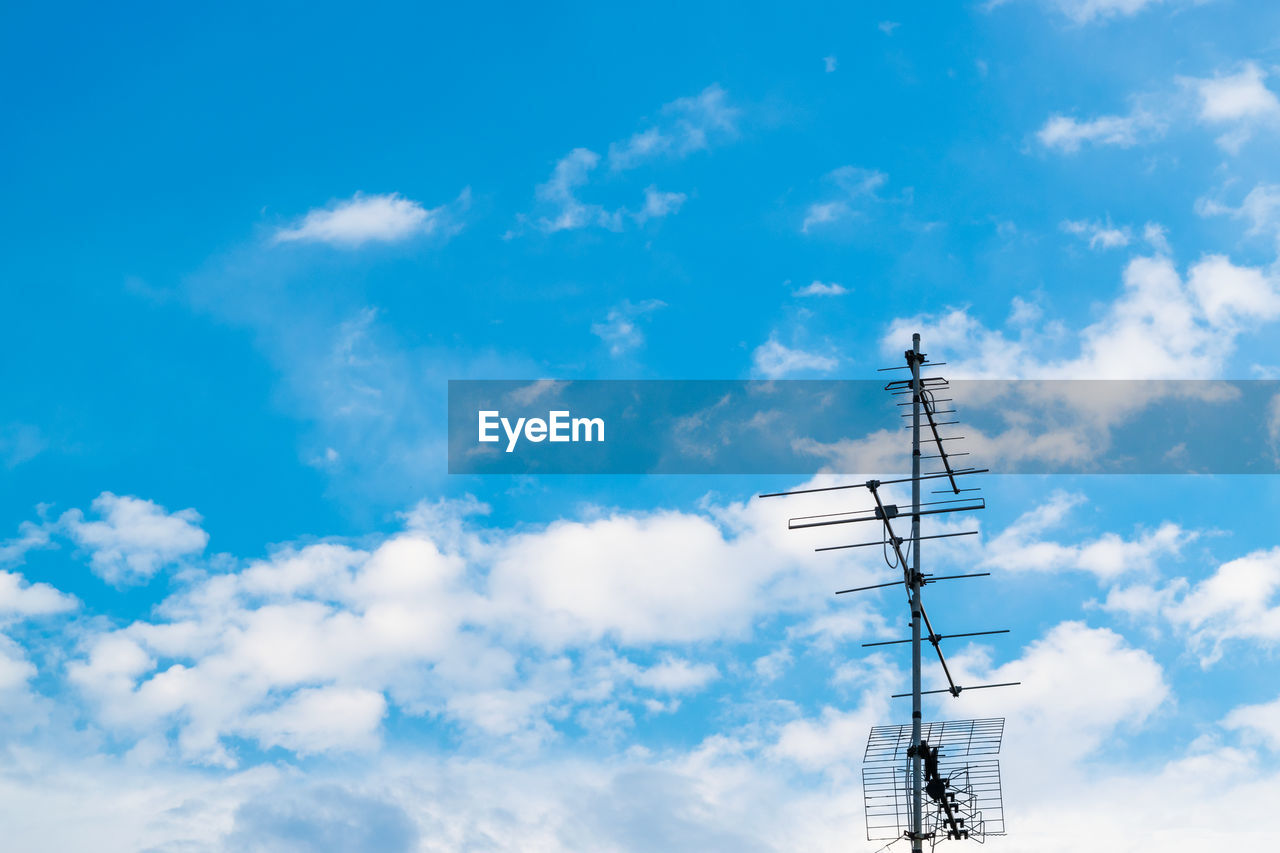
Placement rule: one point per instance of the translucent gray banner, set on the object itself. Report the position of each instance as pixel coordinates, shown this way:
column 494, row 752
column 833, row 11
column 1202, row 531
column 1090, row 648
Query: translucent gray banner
column 849, row 426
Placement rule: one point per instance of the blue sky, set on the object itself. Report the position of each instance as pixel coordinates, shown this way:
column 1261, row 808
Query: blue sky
column 243, row 605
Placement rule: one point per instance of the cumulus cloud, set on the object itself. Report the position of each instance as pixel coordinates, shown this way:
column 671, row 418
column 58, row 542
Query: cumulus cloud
column 309, row 648
column 775, row 360
column 23, row 599
column 321, row 819
column 1160, row 326
column 322, row 719
column 1239, row 101
column 387, row 218
column 134, row 538
column 674, row 675
column 1237, row 602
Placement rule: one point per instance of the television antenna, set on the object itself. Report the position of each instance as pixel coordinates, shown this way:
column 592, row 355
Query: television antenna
column 907, row 767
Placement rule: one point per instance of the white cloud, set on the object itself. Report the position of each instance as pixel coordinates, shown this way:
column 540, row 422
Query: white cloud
column 135, row 538
column 829, row 63
column 30, row 536
column 686, row 125
column 1230, row 295
column 439, row 620
column 388, row 218
column 774, row 360
column 1050, row 727
column 1088, row 11
column 1158, row 327
column 20, row 598
column 1020, row 547
column 619, row 330
column 1157, row 237
column 1239, row 101
column 887, row 27
column 1260, row 209
column 1099, row 234
column 1261, row 720
column 1067, row 133
column 560, row 191
column 658, row 204
column 570, row 213
column 855, row 185
column 1235, row 603
column 321, row 720
column 818, row 288
column 1236, row 97
column 675, row 675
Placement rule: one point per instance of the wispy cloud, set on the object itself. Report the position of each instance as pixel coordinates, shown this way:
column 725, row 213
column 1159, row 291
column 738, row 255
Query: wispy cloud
column 363, row 219
column 1090, row 11
column 1100, row 235
column 818, row 288
column 684, row 126
column 619, row 329
column 1067, row 133
column 1260, row 209
column 1237, row 102
column 854, row 185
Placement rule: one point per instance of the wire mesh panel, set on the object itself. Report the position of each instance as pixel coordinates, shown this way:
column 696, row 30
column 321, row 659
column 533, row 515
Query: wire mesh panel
column 886, row 794
column 974, row 805
column 956, row 738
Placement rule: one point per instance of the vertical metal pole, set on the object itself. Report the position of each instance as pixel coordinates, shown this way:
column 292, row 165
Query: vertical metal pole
column 917, row 805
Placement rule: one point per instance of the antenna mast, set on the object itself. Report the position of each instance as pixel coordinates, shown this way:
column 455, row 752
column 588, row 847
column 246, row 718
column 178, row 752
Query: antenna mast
column 917, row 804
column 963, row 797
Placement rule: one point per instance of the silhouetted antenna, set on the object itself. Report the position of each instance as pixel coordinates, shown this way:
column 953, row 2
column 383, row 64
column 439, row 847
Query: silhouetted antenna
column 909, row 766
column 962, row 788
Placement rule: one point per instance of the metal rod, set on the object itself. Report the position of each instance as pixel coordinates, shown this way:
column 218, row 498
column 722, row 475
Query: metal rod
column 917, row 609
column 887, row 542
column 908, row 367
column 940, row 637
column 873, row 586
column 877, row 482
column 974, row 505
column 958, row 690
